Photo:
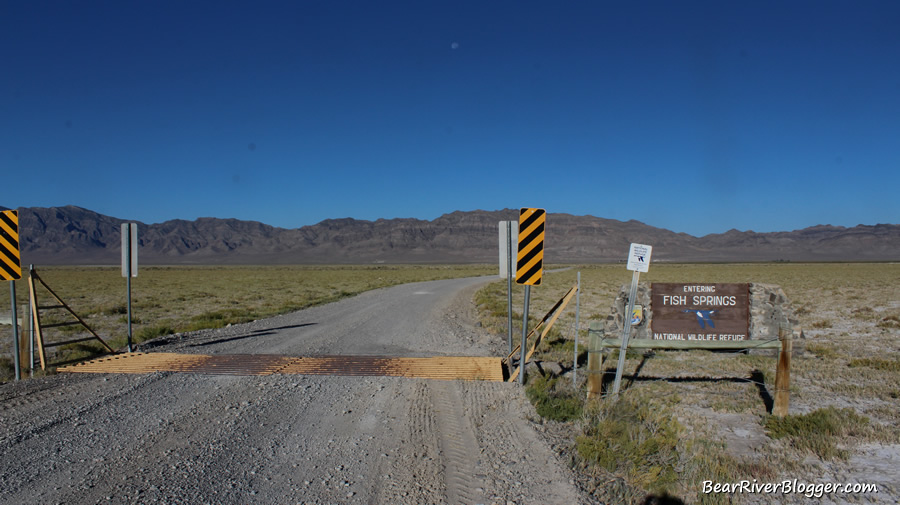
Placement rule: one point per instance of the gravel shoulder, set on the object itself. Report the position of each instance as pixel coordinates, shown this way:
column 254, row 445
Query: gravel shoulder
column 187, row 438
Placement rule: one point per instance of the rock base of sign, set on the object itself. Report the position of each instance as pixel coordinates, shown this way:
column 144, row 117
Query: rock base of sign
column 616, row 319
column 770, row 310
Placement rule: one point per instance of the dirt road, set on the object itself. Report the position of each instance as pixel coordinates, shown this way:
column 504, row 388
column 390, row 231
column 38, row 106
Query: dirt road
column 189, row 438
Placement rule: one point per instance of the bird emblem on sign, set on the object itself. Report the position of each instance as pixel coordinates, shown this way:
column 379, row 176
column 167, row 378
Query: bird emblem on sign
column 704, row 317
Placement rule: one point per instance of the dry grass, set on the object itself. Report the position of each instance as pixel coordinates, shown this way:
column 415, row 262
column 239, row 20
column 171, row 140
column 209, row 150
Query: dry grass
column 176, row 299
column 850, row 314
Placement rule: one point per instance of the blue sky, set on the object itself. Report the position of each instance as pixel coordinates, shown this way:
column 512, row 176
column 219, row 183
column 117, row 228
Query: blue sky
column 698, row 117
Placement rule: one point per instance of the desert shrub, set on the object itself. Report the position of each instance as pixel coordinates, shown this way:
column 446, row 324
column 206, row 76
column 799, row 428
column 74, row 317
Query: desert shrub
column 555, row 347
column 823, row 351
column 633, row 438
column 490, row 301
column 818, row 431
column 822, row 324
column 151, row 332
column 553, row 400
column 876, row 363
column 639, row 440
column 890, row 322
column 220, row 318
column 7, row 369
column 115, row 310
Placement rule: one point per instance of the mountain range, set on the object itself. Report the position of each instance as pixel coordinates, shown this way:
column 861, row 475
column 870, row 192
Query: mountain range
column 73, row 235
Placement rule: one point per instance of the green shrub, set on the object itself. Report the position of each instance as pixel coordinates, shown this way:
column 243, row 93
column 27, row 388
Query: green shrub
column 151, row 332
column 890, row 322
column 639, row 440
column 7, row 369
column 823, row 351
column 817, row 431
column 876, row 363
column 553, row 400
column 119, row 308
column 220, row 318
column 634, row 438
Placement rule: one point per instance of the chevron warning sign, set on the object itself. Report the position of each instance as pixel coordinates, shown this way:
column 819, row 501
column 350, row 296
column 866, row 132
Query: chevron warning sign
column 530, row 263
column 10, row 263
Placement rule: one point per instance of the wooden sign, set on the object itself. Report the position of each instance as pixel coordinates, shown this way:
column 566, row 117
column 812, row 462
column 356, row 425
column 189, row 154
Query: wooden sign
column 700, row 311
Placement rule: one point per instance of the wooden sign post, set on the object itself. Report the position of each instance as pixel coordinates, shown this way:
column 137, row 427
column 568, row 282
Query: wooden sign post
column 783, row 375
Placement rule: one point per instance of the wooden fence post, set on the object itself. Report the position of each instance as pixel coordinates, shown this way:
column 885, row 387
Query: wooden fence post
column 595, row 365
column 783, row 374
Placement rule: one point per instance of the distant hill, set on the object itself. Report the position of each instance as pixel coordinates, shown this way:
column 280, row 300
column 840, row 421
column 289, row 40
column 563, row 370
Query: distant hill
column 73, row 235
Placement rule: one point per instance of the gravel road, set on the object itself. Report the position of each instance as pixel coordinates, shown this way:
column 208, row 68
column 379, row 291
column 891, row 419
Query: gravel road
column 286, row 439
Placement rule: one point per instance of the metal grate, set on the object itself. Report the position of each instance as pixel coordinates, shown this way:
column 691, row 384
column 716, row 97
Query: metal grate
column 448, row 368
column 441, row 367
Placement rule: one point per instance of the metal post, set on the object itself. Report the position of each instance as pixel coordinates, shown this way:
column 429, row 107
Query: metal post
column 509, row 276
column 128, row 246
column 524, row 335
column 626, row 331
column 15, row 327
column 31, row 303
column 30, row 339
column 577, row 312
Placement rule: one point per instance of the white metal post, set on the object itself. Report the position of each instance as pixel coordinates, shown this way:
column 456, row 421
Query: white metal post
column 15, row 328
column 509, row 276
column 524, row 335
column 577, row 312
column 626, row 331
column 126, row 230
column 30, row 338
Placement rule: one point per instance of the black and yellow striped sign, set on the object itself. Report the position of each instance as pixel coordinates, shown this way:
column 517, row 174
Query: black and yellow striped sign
column 530, row 263
column 10, row 263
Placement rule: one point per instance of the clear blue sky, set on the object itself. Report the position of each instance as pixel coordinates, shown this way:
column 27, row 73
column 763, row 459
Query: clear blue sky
column 698, row 117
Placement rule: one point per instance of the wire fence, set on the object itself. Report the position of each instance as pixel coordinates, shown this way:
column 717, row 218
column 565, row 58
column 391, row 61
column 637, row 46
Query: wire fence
column 716, row 374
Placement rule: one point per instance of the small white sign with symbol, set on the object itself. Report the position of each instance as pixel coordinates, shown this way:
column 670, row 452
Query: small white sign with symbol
column 639, row 257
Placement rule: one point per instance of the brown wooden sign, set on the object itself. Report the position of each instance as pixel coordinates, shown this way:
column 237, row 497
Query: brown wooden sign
column 700, row 311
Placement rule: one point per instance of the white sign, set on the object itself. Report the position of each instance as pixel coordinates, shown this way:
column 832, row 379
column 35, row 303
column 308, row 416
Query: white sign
column 129, row 249
column 508, row 242
column 639, row 257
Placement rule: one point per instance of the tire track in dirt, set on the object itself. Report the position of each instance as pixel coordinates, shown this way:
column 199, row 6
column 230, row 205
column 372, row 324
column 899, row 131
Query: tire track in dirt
column 517, row 463
column 183, row 438
column 459, row 447
column 53, row 406
column 408, row 471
